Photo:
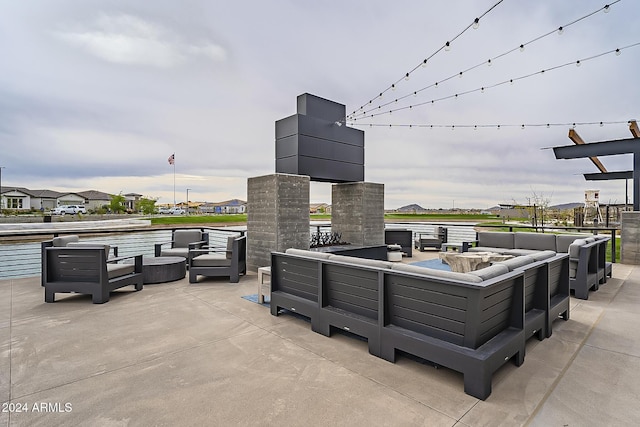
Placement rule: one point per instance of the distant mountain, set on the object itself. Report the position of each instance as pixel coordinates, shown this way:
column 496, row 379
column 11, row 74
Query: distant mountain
column 565, row 206
column 411, row 208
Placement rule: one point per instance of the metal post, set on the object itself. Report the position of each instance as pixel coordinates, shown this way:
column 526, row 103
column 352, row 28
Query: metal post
column 1, row 167
column 188, row 200
column 636, row 181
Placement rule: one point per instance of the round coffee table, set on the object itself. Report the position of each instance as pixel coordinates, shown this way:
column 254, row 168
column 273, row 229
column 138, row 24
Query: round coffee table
column 163, row 269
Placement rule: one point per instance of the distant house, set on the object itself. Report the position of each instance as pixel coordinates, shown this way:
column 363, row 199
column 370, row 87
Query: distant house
column 319, row 208
column 44, row 200
column 15, row 198
column 234, row 206
column 131, row 200
column 93, row 199
column 71, row 199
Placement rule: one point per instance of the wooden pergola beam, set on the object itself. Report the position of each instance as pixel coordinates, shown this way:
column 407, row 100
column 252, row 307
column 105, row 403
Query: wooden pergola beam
column 573, row 136
column 633, row 127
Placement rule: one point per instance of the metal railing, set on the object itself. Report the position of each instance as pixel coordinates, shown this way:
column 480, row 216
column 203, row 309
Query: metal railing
column 23, row 258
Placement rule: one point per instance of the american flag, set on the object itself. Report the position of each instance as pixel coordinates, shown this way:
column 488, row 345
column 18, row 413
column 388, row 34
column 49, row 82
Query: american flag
column 172, row 158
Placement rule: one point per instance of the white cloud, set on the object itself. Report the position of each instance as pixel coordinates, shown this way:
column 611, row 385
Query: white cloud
column 126, row 39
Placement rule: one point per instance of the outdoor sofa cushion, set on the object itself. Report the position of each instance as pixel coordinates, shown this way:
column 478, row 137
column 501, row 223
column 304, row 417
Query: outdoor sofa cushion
column 574, row 254
column 63, row 241
column 496, row 239
column 538, row 241
column 452, row 275
column 311, row 254
column 516, row 262
column 361, row 261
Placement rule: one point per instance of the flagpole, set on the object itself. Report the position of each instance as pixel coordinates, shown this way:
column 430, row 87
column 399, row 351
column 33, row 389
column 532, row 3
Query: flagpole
column 174, row 180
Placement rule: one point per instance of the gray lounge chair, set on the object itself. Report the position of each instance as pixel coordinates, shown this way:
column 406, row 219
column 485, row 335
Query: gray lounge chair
column 86, row 270
column 230, row 261
column 181, row 242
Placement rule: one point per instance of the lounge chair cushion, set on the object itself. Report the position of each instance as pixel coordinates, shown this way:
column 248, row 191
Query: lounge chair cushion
column 183, row 252
column 211, row 260
column 182, row 238
column 465, row 277
column 521, row 252
column 117, row 270
column 64, row 240
column 310, row 254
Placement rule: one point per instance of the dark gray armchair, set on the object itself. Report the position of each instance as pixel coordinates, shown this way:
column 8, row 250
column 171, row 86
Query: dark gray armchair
column 181, row 242
column 230, row 261
column 86, row 270
column 70, row 240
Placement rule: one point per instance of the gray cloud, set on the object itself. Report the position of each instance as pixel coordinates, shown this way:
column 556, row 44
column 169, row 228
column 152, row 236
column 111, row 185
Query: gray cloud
column 97, row 94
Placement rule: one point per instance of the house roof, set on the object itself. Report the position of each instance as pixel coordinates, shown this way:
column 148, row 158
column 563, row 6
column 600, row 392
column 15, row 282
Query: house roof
column 93, row 195
column 20, row 189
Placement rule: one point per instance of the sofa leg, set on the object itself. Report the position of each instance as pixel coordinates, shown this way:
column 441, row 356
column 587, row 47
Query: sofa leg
column 388, row 353
column 477, row 383
column 100, row 297
column 49, row 296
column 193, row 277
column 234, row 278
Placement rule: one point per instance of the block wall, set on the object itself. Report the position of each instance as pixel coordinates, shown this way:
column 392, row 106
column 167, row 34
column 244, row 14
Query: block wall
column 277, row 216
column 630, row 238
column 357, row 211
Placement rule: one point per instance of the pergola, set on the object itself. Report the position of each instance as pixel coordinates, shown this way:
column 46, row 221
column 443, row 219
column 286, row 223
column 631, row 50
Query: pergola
column 607, row 148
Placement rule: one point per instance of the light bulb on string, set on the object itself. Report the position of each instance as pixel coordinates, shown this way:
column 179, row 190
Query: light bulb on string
column 489, row 63
column 447, row 46
column 424, row 64
column 475, row 127
column 618, row 52
column 601, row 124
column 606, row 8
column 522, row 127
column 560, row 30
column 406, row 77
column 460, row 74
column 510, row 81
column 548, row 125
column 578, row 63
column 436, row 85
column 393, row 87
column 415, row 93
column 522, row 48
column 476, row 23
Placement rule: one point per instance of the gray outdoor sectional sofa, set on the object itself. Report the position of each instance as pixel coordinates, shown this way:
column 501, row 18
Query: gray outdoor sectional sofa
column 588, row 267
column 469, row 322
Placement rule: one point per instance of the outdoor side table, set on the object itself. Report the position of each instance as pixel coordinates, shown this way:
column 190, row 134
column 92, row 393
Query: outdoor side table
column 263, row 289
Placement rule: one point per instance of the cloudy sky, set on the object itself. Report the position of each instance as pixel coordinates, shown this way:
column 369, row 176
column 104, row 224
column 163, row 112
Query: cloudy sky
column 96, row 94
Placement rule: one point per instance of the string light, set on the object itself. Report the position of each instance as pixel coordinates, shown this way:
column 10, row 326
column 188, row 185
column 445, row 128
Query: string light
column 522, row 48
column 557, row 67
column 618, row 52
column 560, row 30
column 523, row 126
column 447, row 46
column 489, row 62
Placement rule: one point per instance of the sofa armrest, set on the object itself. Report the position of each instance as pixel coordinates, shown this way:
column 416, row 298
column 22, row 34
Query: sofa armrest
column 469, row 244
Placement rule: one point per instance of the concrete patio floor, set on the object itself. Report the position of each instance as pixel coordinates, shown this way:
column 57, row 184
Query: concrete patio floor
column 200, row 354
